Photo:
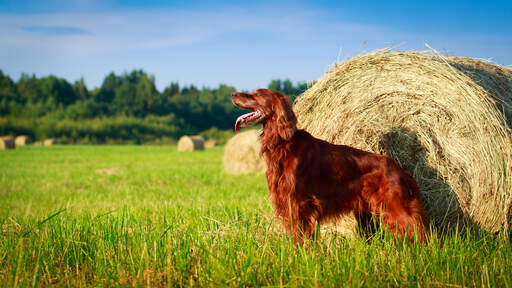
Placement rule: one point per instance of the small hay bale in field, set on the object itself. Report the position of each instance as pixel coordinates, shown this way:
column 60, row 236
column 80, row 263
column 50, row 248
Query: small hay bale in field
column 210, row 144
column 49, row 142
column 23, row 140
column 445, row 120
column 38, row 143
column 190, row 143
column 242, row 154
column 6, row 142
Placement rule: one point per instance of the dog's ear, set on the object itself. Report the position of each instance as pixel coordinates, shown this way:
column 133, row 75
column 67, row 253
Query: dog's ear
column 286, row 120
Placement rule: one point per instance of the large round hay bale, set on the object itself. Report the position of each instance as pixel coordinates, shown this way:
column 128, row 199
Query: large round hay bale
column 445, row 120
column 190, row 143
column 6, row 142
column 242, row 154
column 49, row 142
column 23, row 140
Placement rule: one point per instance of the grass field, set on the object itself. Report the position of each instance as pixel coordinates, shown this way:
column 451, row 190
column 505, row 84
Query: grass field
column 150, row 216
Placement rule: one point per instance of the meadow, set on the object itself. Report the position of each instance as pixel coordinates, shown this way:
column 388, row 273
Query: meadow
column 151, row 216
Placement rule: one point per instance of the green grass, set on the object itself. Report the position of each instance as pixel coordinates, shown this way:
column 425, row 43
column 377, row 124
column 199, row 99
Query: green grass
column 150, row 216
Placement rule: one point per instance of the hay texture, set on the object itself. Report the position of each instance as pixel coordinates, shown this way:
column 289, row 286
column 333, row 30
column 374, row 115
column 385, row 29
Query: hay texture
column 210, row 143
column 445, row 120
column 6, row 142
column 23, row 140
column 242, row 154
column 190, row 143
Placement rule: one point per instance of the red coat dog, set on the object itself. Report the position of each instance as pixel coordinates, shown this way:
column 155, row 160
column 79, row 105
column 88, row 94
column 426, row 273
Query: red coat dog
column 311, row 180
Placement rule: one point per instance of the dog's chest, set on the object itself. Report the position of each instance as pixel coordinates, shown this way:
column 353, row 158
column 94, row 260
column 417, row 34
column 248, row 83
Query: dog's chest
column 281, row 182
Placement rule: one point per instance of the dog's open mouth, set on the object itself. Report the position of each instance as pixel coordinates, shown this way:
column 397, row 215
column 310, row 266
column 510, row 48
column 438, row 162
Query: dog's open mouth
column 247, row 119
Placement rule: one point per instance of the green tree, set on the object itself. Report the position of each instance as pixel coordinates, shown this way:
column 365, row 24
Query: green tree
column 108, row 88
column 124, row 102
column 287, row 88
column 147, row 96
column 275, row 84
column 80, row 89
column 8, row 95
column 57, row 89
column 28, row 88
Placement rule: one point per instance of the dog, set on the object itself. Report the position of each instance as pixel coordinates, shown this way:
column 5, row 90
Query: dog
column 312, row 181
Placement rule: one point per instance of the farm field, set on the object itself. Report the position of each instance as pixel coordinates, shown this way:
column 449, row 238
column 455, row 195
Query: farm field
column 151, row 216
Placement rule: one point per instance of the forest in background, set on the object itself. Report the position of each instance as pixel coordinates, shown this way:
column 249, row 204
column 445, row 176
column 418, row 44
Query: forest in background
column 126, row 108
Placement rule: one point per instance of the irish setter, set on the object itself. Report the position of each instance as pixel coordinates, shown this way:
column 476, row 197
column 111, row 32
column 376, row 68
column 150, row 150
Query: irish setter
column 311, row 180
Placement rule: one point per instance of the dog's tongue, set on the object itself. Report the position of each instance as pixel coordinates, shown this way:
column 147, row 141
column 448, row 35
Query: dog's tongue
column 243, row 118
column 237, row 124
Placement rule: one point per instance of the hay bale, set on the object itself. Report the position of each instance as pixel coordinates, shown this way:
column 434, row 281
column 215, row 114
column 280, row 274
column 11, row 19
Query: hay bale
column 210, row 143
column 445, row 120
column 190, row 143
column 49, row 142
column 38, row 143
column 242, row 154
column 23, row 140
column 6, row 142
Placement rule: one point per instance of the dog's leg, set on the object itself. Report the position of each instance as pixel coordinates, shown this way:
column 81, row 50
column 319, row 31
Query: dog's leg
column 309, row 215
column 302, row 222
column 291, row 221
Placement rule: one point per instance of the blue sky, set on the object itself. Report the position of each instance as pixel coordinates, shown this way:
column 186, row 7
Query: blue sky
column 244, row 44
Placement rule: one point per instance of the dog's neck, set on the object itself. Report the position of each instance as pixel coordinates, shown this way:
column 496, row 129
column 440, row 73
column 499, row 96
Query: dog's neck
column 272, row 140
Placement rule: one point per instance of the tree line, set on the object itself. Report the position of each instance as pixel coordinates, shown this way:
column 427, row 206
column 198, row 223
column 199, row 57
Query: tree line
column 126, row 108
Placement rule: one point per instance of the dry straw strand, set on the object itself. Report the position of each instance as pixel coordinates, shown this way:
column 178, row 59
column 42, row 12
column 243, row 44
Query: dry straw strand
column 447, row 120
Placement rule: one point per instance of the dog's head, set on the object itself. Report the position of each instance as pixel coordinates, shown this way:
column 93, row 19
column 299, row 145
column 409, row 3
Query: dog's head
column 267, row 106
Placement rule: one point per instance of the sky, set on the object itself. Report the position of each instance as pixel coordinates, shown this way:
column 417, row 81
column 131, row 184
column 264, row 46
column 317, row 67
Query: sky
column 243, row 44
